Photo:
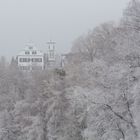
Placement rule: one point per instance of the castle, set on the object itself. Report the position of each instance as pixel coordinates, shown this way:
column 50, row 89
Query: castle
column 33, row 59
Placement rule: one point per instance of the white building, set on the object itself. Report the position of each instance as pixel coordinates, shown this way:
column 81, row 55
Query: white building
column 51, row 55
column 30, row 59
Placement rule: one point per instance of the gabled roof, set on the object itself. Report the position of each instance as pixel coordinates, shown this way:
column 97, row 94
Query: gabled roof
column 30, row 48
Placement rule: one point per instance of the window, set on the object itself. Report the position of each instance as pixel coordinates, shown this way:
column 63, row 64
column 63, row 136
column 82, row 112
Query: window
column 40, row 60
column 24, row 59
column 36, row 68
column 34, row 52
column 27, row 52
column 36, row 59
column 24, row 68
column 51, row 54
column 28, row 59
column 32, row 59
column 20, row 60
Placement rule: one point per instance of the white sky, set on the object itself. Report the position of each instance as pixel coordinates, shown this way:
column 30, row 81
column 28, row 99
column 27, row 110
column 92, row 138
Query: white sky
column 38, row 21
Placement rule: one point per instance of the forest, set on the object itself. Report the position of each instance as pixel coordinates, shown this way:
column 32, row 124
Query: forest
column 96, row 96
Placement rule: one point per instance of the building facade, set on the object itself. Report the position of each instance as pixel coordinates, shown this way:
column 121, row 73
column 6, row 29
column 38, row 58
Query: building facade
column 50, row 55
column 30, row 59
column 33, row 59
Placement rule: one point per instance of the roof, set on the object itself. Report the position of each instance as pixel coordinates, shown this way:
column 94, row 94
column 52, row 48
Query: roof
column 30, row 48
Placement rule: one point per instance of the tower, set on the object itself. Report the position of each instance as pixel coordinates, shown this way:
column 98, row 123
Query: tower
column 51, row 50
column 51, row 54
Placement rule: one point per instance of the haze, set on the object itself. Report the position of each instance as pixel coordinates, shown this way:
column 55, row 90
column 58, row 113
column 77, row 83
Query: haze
column 38, row 21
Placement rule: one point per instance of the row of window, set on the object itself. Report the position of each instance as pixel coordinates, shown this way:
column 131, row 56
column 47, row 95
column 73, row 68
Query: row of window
column 33, row 52
column 30, row 68
column 30, row 60
column 24, row 68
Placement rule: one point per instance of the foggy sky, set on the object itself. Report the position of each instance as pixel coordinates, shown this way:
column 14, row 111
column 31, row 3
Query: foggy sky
column 38, row 21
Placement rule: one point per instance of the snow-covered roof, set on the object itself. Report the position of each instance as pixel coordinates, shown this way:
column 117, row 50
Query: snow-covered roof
column 30, row 48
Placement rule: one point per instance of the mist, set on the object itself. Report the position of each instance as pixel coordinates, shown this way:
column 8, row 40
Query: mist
column 38, row 21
